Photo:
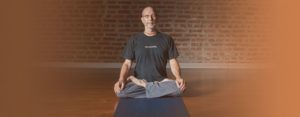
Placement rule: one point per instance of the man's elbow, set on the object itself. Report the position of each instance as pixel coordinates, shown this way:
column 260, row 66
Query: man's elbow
column 127, row 62
column 173, row 61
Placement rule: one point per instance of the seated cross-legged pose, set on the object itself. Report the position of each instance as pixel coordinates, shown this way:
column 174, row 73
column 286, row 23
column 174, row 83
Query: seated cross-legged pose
column 150, row 50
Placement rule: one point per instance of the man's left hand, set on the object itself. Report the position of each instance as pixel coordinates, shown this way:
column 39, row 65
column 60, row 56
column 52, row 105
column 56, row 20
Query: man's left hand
column 181, row 84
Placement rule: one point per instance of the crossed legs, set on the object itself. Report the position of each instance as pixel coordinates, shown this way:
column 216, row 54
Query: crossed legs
column 138, row 82
column 142, row 89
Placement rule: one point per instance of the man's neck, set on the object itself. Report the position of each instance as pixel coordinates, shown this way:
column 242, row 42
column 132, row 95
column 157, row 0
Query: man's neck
column 150, row 32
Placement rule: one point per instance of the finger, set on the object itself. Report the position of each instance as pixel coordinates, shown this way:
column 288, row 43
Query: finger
column 183, row 87
column 116, row 85
column 180, row 83
column 182, row 90
column 122, row 86
column 116, row 89
column 183, row 83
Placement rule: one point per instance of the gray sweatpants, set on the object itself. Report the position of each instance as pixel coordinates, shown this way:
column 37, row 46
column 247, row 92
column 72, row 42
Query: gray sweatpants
column 153, row 89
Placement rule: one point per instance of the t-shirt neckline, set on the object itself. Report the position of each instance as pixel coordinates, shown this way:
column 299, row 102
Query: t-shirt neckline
column 151, row 36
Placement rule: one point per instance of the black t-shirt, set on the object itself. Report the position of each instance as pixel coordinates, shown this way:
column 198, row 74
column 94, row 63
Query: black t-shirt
column 151, row 55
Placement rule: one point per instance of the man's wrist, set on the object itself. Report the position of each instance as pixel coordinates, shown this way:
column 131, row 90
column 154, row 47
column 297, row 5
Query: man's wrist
column 178, row 78
column 121, row 80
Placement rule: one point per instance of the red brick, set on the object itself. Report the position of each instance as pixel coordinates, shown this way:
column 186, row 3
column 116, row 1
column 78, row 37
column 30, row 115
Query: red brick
column 96, row 31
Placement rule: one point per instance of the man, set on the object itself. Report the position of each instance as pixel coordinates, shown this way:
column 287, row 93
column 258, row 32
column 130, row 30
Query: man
column 150, row 50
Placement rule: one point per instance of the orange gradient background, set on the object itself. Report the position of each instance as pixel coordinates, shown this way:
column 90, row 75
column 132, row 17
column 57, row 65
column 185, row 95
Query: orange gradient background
column 20, row 81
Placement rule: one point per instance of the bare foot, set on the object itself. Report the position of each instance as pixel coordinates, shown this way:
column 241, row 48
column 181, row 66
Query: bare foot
column 137, row 81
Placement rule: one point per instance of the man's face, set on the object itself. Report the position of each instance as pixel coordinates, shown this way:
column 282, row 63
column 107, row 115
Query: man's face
column 148, row 18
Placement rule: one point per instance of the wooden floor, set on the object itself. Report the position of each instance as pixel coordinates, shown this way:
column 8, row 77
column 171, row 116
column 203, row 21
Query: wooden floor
column 210, row 92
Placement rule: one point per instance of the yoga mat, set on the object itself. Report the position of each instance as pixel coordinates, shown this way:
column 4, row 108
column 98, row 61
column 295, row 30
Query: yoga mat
column 151, row 107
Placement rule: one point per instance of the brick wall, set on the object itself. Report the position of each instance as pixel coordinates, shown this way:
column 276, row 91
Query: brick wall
column 205, row 31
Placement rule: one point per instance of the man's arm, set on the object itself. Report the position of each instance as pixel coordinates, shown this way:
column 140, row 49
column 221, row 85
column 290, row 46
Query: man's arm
column 119, row 85
column 125, row 69
column 175, row 68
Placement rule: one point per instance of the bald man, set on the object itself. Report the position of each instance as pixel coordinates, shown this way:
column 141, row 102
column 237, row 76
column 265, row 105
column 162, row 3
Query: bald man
column 151, row 50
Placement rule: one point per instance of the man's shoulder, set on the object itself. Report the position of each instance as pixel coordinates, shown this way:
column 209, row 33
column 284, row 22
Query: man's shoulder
column 136, row 35
column 165, row 36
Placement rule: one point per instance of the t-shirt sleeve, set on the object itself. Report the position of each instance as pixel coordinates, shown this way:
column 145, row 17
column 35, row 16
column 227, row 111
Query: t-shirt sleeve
column 173, row 52
column 128, row 52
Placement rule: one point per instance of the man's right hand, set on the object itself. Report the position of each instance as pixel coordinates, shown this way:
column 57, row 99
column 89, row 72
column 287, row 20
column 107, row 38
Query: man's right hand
column 119, row 85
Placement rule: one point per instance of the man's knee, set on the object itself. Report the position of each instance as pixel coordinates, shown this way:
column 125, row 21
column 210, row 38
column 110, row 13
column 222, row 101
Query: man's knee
column 121, row 94
column 176, row 93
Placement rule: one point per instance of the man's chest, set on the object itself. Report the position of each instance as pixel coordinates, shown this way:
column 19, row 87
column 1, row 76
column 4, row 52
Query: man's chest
column 153, row 47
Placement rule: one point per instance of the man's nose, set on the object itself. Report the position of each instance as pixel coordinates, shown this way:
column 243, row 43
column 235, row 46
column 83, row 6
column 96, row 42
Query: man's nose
column 151, row 18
